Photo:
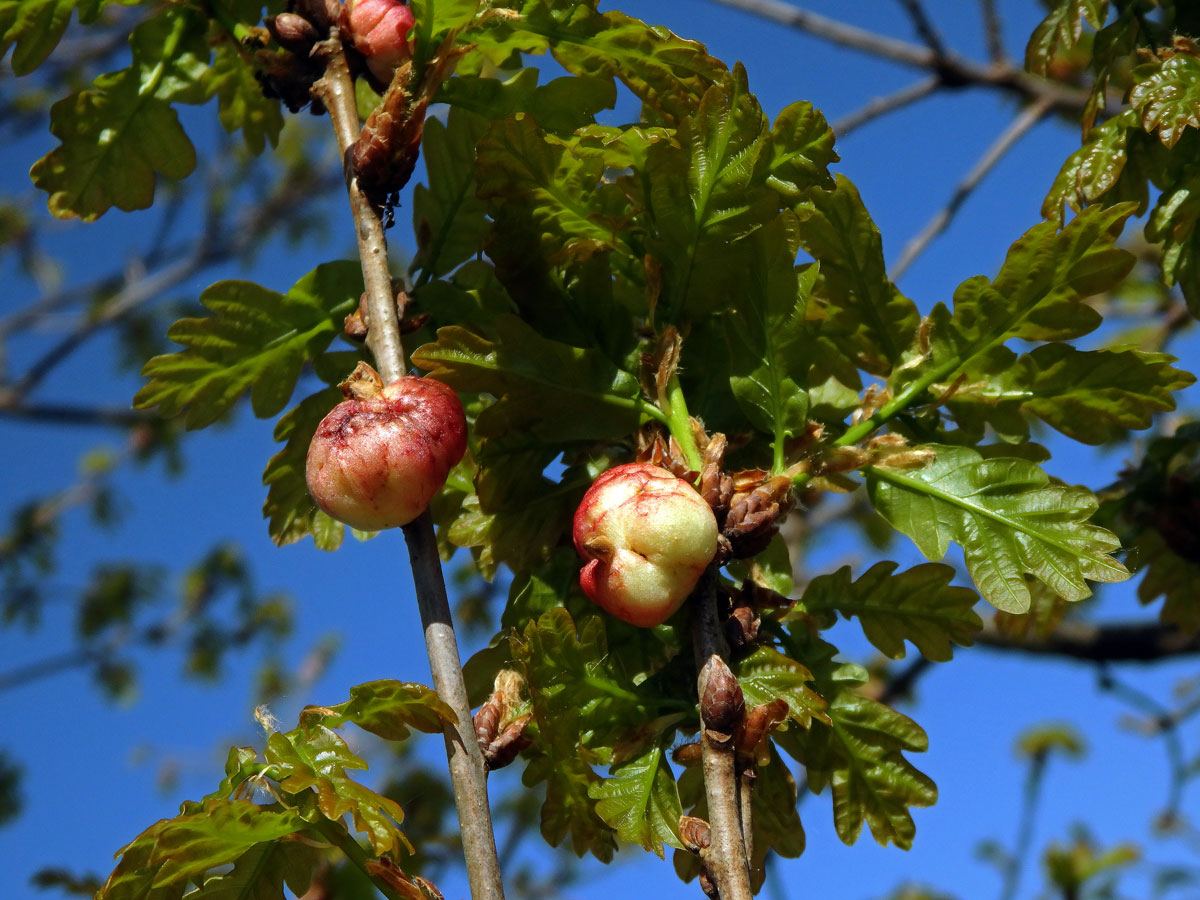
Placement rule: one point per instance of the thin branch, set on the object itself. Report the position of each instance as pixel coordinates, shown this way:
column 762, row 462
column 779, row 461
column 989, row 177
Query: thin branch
column 885, row 104
column 1032, row 791
column 993, row 32
column 51, row 665
column 1016, row 129
column 66, row 414
column 925, row 30
column 467, row 775
column 1144, row 642
column 955, row 70
column 726, row 858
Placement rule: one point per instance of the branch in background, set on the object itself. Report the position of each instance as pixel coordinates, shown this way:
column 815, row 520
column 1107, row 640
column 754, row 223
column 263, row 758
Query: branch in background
column 1013, row 133
column 886, row 104
column 467, row 775
column 65, row 414
column 925, row 30
column 953, row 69
column 993, row 32
column 1108, row 643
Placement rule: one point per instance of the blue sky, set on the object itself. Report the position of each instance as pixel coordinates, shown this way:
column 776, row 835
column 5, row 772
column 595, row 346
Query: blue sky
column 86, row 791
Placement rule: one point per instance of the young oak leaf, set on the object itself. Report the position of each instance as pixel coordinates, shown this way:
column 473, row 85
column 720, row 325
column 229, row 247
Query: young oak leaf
column 860, row 754
column 920, row 606
column 1009, row 519
column 256, row 340
column 640, row 801
column 313, row 756
column 262, row 872
column 387, row 708
column 1168, row 96
column 766, row 674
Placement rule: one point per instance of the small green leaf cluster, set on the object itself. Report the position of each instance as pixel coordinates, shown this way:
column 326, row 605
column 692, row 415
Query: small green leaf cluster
column 1153, row 141
column 274, row 812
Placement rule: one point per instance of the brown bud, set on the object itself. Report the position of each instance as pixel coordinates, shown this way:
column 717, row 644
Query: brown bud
column 754, row 517
column 508, row 744
column 487, row 722
column 694, row 833
column 758, row 723
column 293, row 32
column 741, row 628
column 722, row 705
column 708, row 885
column 403, row 885
column 687, row 755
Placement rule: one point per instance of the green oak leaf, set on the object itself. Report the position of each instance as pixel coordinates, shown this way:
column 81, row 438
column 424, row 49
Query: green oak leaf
column 386, row 708
column 704, row 191
column 113, row 142
column 313, row 756
column 860, row 754
column 241, row 104
column 1167, row 96
column 765, row 674
column 449, row 220
column 562, row 196
column 1170, row 576
column 558, row 663
column 213, row 833
column 1175, row 222
column 767, row 335
column 262, row 872
column 1060, row 30
column 801, row 152
column 552, row 390
column 256, row 340
column 919, row 605
column 1009, row 519
column 1092, row 396
column 639, row 800
column 36, row 26
column 866, row 315
column 777, row 823
column 559, row 107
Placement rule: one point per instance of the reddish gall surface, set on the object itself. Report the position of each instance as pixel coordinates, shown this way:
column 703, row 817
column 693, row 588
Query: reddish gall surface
column 647, row 537
column 376, row 462
column 380, row 30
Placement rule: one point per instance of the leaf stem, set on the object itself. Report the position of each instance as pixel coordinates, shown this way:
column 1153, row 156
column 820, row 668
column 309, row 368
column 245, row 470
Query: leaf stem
column 342, row 839
column 467, row 775
column 680, row 423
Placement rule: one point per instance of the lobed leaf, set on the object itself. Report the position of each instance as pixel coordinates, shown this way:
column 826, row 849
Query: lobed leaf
column 1008, row 518
column 386, row 708
column 767, row 335
column 1175, row 222
column 866, row 315
column 1167, row 96
column 241, row 103
column 765, row 674
column 861, row 755
column 313, row 756
column 449, row 220
column 1092, row 396
column 777, row 823
column 919, row 606
column 262, row 872
column 1060, row 30
column 558, row 663
column 639, row 800
column 256, row 340
column 801, row 152
column 545, row 388
column 36, row 26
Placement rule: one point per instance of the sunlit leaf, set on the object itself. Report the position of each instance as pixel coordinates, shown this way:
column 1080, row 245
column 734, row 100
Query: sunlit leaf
column 387, row 708
column 256, row 340
column 262, row 872
column 1009, row 519
column 867, row 315
column 918, row 605
column 861, row 755
column 315, row 757
column 1168, row 97
column 555, row 391
column 640, row 802
column 1059, row 32
column 765, row 674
